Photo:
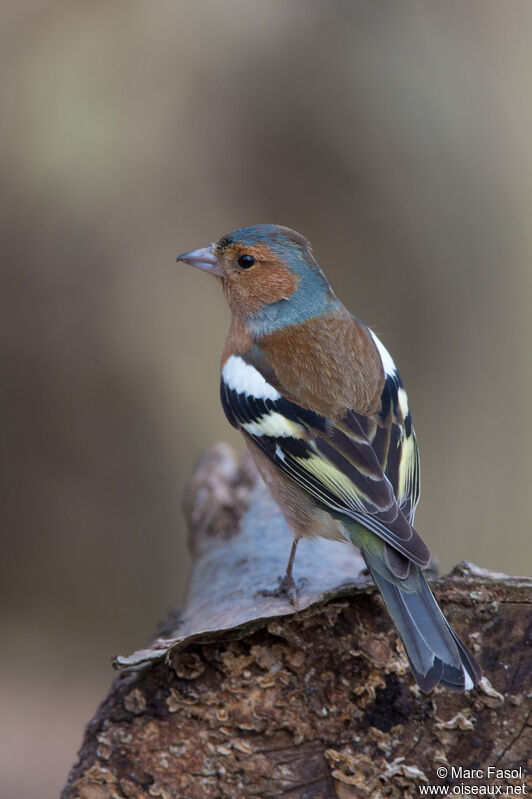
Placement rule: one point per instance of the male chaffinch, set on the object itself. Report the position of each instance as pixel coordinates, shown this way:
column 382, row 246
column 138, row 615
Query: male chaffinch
column 323, row 411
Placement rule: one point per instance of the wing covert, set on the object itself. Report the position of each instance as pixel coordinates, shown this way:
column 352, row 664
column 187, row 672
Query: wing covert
column 393, row 438
column 335, row 462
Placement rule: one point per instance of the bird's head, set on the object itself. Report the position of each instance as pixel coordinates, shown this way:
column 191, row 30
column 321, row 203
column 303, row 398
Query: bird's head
column 268, row 275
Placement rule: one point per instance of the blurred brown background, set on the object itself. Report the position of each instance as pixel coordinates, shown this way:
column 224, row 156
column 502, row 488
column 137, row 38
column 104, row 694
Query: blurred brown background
column 396, row 136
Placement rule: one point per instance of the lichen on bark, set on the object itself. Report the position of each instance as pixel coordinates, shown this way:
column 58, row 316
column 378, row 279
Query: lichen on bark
column 243, row 697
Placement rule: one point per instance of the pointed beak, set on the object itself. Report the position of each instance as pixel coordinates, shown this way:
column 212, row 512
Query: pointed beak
column 204, row 259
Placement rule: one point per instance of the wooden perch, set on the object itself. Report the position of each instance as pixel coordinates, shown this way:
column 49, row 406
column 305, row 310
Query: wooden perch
column 242, row 697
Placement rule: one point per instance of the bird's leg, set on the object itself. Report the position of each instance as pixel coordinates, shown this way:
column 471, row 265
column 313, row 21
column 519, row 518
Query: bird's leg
column 287, row 585
column 287, row 581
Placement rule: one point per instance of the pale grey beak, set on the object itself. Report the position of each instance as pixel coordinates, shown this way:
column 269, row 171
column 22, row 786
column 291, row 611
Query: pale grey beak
column 204, row 259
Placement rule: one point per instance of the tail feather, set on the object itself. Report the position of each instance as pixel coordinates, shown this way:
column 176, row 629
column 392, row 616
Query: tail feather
column 436, row 654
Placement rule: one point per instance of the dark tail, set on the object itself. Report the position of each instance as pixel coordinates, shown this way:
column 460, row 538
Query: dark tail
column 436, row 654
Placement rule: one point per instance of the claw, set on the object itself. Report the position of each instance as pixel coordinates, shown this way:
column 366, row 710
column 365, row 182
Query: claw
column 287, row 588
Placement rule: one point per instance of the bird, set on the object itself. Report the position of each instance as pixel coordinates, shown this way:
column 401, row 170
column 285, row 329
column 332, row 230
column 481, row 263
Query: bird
column 321, row 406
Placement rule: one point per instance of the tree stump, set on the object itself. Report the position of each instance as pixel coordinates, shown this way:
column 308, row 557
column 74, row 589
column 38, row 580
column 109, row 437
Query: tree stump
column 241, row 695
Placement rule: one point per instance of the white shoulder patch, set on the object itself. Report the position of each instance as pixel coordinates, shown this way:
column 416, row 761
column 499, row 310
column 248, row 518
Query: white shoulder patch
column 245, row 379
column 387, row 360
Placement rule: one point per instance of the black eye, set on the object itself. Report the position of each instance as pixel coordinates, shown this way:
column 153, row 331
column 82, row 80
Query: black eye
column 245, row 261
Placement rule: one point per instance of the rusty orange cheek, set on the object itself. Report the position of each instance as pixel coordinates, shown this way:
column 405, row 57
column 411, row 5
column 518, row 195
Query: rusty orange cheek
column 267, row 282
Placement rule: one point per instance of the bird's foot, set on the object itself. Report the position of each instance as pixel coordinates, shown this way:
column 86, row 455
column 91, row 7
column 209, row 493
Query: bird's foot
column 287, row 588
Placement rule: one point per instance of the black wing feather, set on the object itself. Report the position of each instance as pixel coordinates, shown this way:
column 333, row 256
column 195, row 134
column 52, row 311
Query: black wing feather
column 353, row 467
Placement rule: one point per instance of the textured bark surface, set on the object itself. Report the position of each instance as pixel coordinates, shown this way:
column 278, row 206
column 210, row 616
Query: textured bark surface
column 240, row 696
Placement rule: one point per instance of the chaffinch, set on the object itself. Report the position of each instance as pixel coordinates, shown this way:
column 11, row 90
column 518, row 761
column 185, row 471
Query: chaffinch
column 323, row 411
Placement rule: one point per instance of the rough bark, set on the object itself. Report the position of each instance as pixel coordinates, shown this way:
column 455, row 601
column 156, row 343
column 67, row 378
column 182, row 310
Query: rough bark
column 240, row 696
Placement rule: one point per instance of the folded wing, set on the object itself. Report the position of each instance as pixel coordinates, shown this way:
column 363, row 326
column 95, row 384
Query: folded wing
column 363, row 468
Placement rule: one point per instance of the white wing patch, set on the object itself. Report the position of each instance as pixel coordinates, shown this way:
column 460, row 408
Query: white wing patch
column 387, row 360
column 245, row 379
column 279, row 452
column 402, row 402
